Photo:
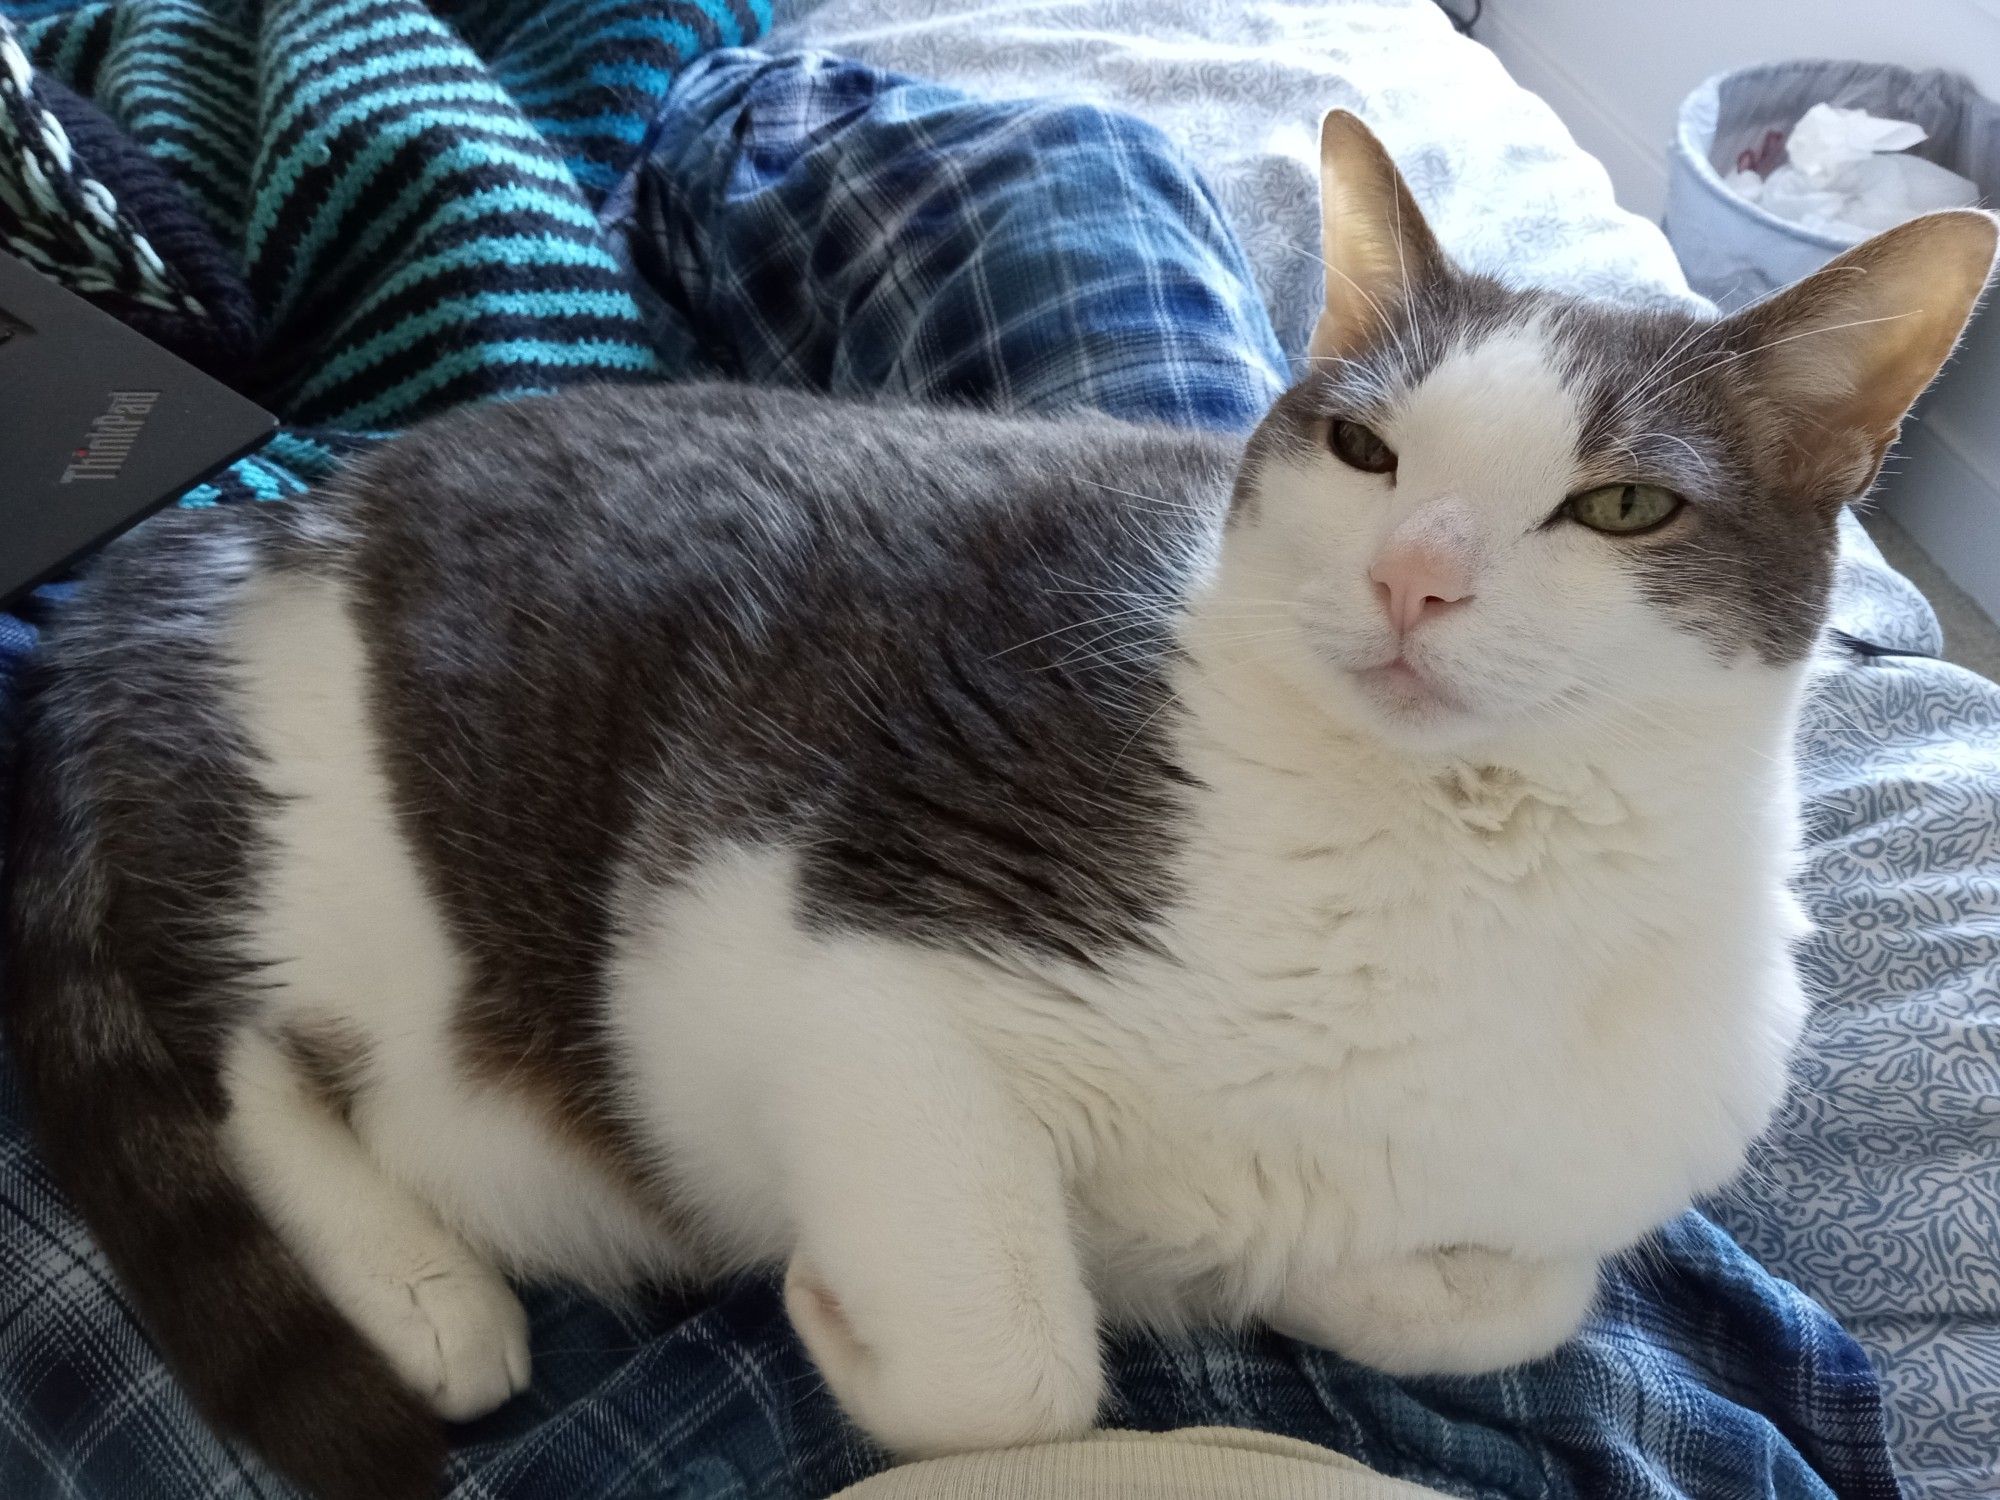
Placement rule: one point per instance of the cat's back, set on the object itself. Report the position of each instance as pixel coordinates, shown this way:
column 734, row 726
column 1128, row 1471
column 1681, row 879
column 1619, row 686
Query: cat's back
column 639, row 493
column 768, row 581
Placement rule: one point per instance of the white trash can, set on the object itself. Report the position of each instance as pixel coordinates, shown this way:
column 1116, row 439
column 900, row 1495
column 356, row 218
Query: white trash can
column 1734, row 251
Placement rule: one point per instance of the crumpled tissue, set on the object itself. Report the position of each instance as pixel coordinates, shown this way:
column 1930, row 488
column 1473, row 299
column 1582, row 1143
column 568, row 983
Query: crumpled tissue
column 1845, row 174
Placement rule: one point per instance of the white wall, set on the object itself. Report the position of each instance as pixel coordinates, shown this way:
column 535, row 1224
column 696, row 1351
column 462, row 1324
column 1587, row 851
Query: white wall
column 1616, row 70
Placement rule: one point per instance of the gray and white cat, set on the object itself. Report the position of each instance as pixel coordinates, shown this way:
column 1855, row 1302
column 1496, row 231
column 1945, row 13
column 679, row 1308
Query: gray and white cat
column 1014, row 875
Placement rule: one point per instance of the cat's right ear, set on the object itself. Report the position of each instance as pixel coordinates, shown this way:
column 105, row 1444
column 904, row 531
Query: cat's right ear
column 1377, row 247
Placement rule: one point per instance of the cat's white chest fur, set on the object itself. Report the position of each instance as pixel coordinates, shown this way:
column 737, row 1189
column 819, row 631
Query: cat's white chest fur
column 1406, row 1011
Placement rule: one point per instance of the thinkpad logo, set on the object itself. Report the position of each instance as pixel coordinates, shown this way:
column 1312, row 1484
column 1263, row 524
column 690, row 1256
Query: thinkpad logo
column 109, row 442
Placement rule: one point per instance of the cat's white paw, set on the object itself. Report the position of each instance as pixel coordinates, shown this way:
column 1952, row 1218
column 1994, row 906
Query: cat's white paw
column 451, row 1328
column 1020, row 1375
column 1451, row 1312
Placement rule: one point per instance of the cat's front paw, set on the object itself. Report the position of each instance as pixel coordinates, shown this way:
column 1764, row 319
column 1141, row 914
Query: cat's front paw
column 451, row 1328
column 1010, row 1375
column 1448, row 1312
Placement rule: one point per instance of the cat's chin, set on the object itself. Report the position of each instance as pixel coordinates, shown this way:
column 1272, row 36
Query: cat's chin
column 1401, row 688
column 1407, row 705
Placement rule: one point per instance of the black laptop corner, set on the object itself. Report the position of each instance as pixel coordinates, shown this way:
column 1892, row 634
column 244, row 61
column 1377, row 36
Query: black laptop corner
column 99, row 428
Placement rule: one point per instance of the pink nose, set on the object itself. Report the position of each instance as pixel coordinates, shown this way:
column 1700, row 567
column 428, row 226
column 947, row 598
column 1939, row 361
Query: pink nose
column 1415, row 581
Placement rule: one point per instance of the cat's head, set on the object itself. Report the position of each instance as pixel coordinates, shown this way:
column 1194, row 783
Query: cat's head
column 1484, row 507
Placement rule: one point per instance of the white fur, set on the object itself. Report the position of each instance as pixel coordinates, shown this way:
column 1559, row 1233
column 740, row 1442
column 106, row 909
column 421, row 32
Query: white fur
column 350, row 933
column 1459, row 999
column 445, row 1320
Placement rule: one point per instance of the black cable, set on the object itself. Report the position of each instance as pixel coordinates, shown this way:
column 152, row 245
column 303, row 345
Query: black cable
column 1863, row 650
column 1464, row 24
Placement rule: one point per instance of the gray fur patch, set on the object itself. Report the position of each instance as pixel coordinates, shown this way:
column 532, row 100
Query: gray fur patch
column 332, row 1057
column 667, row 620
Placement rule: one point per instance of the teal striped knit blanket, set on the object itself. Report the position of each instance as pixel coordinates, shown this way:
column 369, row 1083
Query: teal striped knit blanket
column 356, row 211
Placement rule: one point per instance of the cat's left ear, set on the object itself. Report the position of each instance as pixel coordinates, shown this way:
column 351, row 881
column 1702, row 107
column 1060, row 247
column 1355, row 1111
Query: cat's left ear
column 1377, row 247
column 1837, row 360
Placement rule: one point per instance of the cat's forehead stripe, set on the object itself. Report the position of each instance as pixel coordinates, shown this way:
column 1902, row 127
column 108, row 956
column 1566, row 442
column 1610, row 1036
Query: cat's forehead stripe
column 1494, row 413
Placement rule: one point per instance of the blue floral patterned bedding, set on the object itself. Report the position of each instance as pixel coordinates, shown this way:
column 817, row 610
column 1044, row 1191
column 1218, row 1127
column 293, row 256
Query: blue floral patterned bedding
column 1879, row 1192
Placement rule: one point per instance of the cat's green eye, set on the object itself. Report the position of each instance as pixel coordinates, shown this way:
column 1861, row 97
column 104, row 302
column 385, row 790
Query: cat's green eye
column 1360, row 447
column 1623, row 509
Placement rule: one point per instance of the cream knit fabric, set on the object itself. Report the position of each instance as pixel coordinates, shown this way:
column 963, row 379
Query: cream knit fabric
column 1196, row 1463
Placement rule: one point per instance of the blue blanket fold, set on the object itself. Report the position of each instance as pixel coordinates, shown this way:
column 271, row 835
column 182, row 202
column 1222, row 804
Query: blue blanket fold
column 807, row 221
